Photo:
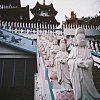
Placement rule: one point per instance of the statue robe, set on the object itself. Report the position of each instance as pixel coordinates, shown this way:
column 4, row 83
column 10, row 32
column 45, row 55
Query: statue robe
column 53, row 51
column 81, row 78
column 48, row 48
column 62, row 70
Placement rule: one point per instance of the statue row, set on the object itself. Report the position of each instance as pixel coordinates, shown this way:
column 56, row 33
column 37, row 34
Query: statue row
column 93, row 45
column 74, row 69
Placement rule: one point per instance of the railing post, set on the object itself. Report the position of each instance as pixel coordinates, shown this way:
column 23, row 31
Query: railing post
column 92, row 45
column 17, row 24
column 96, row 47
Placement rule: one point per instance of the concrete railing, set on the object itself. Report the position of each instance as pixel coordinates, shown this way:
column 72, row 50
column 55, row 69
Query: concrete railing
column 7, row 6
column 71, row 26
column 25, row 28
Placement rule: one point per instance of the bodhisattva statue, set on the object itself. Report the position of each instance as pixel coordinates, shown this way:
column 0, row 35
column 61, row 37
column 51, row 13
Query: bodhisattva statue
column 53, row 50
column 80, row 63
column 62, row 67
column 46, row 40
column 50, row 42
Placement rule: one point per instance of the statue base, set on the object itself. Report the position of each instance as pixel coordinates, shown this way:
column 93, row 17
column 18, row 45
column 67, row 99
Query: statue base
column 65, row 95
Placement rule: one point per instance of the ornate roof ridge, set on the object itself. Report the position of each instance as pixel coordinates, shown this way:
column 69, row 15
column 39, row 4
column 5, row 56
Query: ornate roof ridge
column 44, row 6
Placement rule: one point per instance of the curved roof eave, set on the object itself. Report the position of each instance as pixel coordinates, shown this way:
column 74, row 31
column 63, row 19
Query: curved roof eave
column 43, row 7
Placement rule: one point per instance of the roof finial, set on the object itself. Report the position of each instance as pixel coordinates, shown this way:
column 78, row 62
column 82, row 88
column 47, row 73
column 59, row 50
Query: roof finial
column 43, row 2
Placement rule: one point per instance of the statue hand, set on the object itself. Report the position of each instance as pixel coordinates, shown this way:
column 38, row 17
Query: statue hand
column 62, row 62
column 54, row 52
column 86, row 66
column 60, row 82
column 80, row 63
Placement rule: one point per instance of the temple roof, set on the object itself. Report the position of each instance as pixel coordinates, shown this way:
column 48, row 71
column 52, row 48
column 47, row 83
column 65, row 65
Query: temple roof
column 48, row 20
column 18, row 42
column 38, row 8
column 15, row 13
column 10, row 2
column 44, row 14
column 73, row 19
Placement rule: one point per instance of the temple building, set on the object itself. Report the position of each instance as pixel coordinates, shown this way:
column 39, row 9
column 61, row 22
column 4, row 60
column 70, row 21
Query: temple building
column 73, row 20
column 11, row 10
column 18, row 60
column 44, row 14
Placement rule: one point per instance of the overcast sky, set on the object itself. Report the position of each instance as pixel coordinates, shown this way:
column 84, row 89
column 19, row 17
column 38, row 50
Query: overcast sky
column 64, row 7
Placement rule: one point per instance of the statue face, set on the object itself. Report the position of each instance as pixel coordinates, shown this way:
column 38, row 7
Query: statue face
column 47, row 37
column 55, row 42
column 81, row 40
column 62, row 47
column 50, row 39
column 62, row 41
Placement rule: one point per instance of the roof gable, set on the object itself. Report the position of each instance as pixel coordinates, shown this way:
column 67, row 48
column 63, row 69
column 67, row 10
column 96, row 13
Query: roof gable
column 38, row 8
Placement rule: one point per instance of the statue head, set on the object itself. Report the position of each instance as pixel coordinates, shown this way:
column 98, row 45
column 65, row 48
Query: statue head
column 55, row 41
column 50, row 38
column 47, row 37
column 62, row 41
column 62, row 45
column 80, row 37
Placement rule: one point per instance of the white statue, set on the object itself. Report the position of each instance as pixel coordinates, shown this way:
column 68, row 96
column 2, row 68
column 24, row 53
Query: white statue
column 96, row 47
column 92, row 45
column 50, row 42
column 46, row 40
column 80, row 63
column 53, row 50
column 62, row 66
column 88, row 45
